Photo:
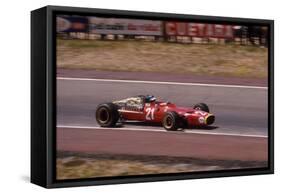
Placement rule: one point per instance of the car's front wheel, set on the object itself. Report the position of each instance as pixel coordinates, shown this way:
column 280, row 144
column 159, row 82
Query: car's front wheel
column 107, row 115
column 171, row 121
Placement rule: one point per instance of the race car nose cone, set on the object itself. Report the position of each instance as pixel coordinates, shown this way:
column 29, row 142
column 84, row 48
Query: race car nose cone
column 210, row 119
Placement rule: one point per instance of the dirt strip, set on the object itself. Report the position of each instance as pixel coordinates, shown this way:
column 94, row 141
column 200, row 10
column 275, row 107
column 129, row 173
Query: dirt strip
column 153, row 76
column 199, row 146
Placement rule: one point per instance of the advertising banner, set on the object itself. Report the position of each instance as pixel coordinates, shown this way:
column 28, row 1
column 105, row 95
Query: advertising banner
column 125, row 26
column 72, row 24
column 198, row 30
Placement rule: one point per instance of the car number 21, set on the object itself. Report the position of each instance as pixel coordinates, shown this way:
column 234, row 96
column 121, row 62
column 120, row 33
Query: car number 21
column 149, row 113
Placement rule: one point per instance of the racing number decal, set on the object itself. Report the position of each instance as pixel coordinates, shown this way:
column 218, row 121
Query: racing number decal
column 149, row 113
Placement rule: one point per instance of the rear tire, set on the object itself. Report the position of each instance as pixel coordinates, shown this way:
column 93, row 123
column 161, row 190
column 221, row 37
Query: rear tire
column 107, row 115
column 202, row 106
column 171, row 121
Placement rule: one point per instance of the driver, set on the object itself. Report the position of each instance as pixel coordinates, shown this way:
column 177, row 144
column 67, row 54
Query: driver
column 149, row 98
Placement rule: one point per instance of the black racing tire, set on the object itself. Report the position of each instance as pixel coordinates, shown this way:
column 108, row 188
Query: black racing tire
column 171, row 121
column 202, row 106
column 107, row 115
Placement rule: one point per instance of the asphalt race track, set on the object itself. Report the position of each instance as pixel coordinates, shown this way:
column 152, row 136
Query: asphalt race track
column 237, row 110
column 155, row 143
column 238, row 134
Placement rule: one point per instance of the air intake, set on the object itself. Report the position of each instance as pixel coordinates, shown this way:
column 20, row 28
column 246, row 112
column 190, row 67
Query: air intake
column 210, row 120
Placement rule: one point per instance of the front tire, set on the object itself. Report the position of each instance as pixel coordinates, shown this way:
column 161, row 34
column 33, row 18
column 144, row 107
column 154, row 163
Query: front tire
column 171, row 121
column 107, row 115
column 202, row 106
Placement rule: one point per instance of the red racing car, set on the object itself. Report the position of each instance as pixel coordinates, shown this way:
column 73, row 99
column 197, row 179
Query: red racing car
column 146, row 108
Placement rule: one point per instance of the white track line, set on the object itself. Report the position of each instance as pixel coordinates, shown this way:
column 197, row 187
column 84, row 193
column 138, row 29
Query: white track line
column 158, row 82
column 160, row 130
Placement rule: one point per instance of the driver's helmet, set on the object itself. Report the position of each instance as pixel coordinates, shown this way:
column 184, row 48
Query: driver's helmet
column 150, row 98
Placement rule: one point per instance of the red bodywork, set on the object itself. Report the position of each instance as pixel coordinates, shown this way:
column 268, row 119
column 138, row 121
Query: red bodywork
column 155, row 112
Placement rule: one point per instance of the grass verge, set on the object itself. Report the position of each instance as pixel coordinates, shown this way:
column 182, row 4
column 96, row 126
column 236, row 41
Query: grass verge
column 76, row 166
column 140, row 56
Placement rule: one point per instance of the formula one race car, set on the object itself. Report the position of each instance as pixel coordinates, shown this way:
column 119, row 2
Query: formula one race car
column 146, row 108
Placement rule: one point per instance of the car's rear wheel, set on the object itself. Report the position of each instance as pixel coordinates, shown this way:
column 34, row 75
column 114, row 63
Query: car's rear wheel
column 171, row 121
column 201, row 106
column 107, row 115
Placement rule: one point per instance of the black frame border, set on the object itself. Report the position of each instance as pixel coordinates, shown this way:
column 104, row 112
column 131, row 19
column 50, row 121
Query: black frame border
column 47, row 176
